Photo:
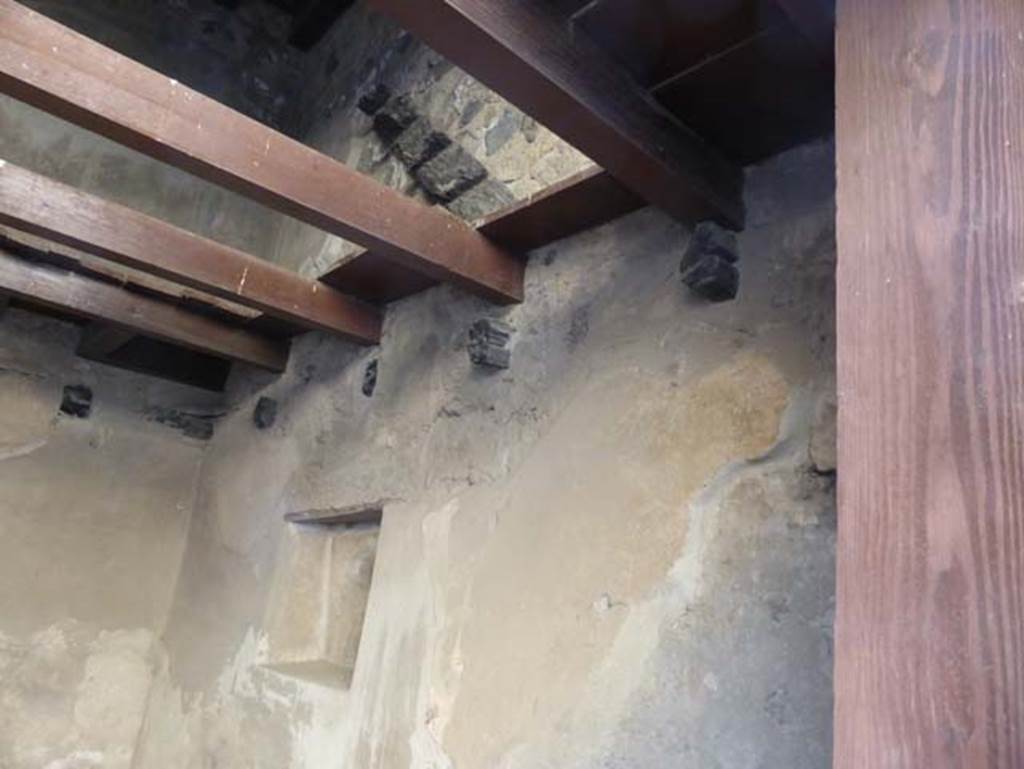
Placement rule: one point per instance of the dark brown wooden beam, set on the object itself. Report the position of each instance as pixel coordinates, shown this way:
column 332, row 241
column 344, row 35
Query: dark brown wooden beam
column 524, row 51
column 929, row 651
column 56, row 70
column 585, row 200
column 82, row 297
column 43, row 207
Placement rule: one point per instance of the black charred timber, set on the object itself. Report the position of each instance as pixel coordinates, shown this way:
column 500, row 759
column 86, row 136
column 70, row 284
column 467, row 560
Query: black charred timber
column 372, row 100
column 394, row 117
column 370, row 378
column 419, row 143
column 709, row 266
column 265, row 413
column 76, row 401
column 489, row 343
column 450, row 173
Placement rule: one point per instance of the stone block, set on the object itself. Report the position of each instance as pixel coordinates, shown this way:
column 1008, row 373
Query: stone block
column 321, row 585
column 490, row 343
column 370, row 378
column 394, row 117
column 419, row 143
column 450, row 174
column 265, row 413
column 708, row 266
column 373, row 99
column 76, row 401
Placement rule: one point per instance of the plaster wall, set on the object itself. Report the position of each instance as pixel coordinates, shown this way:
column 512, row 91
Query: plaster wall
column 617, row 553
column 93, row 515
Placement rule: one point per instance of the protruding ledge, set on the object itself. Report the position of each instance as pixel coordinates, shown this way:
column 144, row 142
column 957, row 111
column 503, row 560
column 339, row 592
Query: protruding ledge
column 370, row 512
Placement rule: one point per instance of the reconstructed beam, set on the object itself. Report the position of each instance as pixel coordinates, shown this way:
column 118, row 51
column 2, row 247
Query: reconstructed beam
column 83, row 297
column 582, row 201
column 929, row 648
column 43, row 207
column 523, row 50
column 52, row 68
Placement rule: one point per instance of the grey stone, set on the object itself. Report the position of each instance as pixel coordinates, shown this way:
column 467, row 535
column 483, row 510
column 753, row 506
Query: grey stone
column 489, row 341
column 499, row 134
column 394, row 117
column 199, row 426
column 419, row 143
column 370, row 378
column 374, row 99
column 708, row 266
column 529, row 129
column 76, row 401
column 485, row 198
column 450, row 173
column 265, row 413
column 470, row 111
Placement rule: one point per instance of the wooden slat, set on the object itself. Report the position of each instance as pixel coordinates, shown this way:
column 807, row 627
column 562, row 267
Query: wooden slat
column 371, row 512
column 72, row 77
column 523, row 50
column 98, row 301
column 43, row 207
column 930, row 597
column 585, row 200
column 581, row 202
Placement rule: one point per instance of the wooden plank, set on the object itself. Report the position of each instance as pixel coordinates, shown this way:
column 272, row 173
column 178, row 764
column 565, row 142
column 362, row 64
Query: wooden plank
column 523, row 50
column 43, row 207
column 99, row 340
column 98, row 301
column 581, row 202
column 930, row 602
column 74, row 78
column 585, row 200
column 371, row 512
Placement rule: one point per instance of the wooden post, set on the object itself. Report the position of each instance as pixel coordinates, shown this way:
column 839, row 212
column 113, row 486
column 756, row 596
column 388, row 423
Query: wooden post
column 930, row 604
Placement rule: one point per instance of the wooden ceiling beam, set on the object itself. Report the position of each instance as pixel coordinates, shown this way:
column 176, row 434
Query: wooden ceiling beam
column 48, row 209
column 83, row 297
column 54, row 69
column 584, row 200
column 524, row 50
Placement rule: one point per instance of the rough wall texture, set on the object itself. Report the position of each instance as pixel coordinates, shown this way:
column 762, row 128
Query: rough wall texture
column 93, row 516
column 616, row 553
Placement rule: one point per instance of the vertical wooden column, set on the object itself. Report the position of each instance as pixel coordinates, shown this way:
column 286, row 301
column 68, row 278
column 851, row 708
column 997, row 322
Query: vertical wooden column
column 930, row 605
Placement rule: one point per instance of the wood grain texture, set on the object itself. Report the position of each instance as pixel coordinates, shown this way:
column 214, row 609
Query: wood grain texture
column 85, row 298
column 584, row 200
column 54, row 69
column 48, row 209
column 930, row 606
column 523, row 50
